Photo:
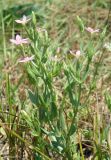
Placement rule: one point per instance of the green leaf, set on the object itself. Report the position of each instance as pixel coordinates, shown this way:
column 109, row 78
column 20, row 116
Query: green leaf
column 26, row 117
column 34, row 18
column 108, row 100
column 73, row 129
column 2, row 131
column 53, row 110
column 63, row 125
column 33, row 97
column 38, row 157
column 80, row 24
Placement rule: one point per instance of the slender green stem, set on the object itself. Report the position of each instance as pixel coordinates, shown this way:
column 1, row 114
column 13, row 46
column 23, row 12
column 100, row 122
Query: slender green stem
column 3, row 30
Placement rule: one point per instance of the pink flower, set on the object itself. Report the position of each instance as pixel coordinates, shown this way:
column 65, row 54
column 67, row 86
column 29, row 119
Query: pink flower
column 91, row 30
column 26, row 59
column 18, row 40
column 77, row 53
column 23, row 21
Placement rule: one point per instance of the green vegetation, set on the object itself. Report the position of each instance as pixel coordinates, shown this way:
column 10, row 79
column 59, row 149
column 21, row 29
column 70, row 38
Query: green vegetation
column 55, row 80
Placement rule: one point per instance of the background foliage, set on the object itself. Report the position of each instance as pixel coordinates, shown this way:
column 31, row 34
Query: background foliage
column 58, row 105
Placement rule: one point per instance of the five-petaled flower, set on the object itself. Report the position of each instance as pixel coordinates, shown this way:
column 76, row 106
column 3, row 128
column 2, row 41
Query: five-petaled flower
column 91, row 30
column 26, row 59
column 23, row 21
column 19, row 40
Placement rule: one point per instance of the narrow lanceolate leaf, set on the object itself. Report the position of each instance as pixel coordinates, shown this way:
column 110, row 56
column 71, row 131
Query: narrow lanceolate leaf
column 34, row 18
column 53, row 113
column 73, row 129
column 63, row 125
column 108, row 100
column 33, row 97
column 80, row 24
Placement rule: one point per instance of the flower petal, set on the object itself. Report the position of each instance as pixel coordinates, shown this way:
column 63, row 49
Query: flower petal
column 26, row 59
column 91, row 30
column 23, row 21
column 18, row 21
column 18, row 40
